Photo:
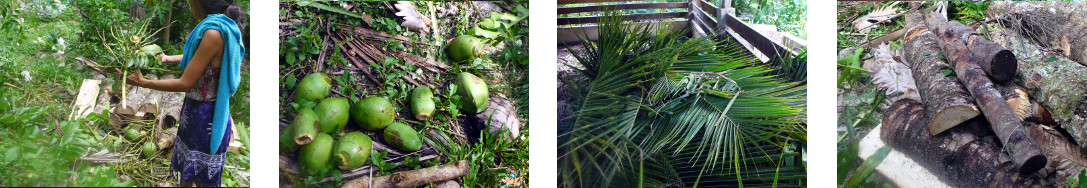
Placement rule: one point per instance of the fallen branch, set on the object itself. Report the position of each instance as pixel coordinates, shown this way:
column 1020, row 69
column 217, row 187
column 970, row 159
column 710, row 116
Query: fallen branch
column 413, row 178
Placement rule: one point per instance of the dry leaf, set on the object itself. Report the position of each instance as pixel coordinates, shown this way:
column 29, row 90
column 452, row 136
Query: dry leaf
column 865, row 23
column 892, row 76
column 413, row 20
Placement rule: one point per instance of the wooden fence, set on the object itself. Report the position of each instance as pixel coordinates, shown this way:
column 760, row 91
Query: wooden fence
column 699, row 17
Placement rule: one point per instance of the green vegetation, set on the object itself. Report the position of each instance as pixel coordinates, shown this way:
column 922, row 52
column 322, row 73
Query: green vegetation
column 315, row 42
column 788, row 15
column 39, row 80
column 677, row 111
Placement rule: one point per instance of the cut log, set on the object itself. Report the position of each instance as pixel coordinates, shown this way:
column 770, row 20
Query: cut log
column 968, row 156
column 170, row 106
column 1057, row 25
column 1058, row 83
column 413, row 178
column 997, row 62
column 962, row 158
column 85, row 100
column 1023, row 151
column 947, row 103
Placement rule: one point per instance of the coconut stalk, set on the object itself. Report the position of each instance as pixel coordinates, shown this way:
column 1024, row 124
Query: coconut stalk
column 946, row 101
column 132, row 50
column 1024, row 152
column 413, row 178
column 1057, row 25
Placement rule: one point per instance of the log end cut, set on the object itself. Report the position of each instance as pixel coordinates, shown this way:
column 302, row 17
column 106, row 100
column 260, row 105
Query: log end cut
column 950, row 117
column 1003, row 66
column 1032, row 165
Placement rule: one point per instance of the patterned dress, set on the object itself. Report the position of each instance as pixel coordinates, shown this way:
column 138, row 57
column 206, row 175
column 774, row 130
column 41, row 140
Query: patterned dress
column 191, row 157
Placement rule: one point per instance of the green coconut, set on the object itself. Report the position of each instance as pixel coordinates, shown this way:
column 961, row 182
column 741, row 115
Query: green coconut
column 305, row 126
column 315, row 156
column 148, row 149
column 332, row 114
column 132, row 134
column 286, row 140
column 313, row 87
column 473, row 93
column 422, row 103
column 463, row 48
column 351, row 151
column 373, row 113
column 402, row 137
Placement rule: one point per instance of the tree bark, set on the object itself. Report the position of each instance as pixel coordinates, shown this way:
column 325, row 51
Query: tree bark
column 966, row 156
column 946, row 101
column 1057, row 82
column 1051, row 24
column 1023, row 151
column 413, row 178
column 998, row 62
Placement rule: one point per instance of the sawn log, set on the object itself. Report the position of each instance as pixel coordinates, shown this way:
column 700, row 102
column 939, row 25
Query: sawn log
column 1059, row 25
column 1024, row 152
column 946, row 101
column 1057, row 82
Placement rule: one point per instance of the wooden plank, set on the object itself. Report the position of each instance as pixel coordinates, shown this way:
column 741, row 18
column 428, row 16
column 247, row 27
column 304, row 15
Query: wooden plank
column 901, row 170
column 708, row 23
column 86, row 99
column 566, row 2
column 627, row 17
column 756, row 40
column 632, row 6
column 573, row 35
column 707, row 7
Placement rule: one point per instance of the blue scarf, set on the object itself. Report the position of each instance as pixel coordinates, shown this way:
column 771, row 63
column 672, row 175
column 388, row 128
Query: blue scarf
column 229, row 77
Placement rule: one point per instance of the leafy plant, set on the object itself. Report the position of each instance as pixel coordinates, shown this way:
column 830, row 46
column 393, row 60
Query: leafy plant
column 665, row 106
column 969, row 11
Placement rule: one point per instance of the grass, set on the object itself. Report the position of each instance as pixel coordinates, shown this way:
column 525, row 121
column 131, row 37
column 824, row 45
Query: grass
column 40, row 79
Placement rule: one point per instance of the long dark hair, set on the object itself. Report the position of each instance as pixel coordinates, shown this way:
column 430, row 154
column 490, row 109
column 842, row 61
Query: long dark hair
column 232, row 11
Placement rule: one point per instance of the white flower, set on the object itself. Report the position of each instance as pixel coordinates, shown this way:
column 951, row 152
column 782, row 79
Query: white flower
column 60, row 41
column 20, row 20
column 39, row 40
column 26, row 76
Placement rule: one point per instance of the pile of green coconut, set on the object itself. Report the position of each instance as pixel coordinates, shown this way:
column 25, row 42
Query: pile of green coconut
column 319, row 137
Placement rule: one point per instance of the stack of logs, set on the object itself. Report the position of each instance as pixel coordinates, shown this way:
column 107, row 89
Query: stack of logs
column 942, row 130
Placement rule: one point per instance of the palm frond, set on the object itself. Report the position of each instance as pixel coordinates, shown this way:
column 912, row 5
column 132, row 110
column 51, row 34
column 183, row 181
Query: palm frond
column 652, row 107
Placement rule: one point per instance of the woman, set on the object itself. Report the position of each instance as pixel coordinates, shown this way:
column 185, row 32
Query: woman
column 212, row 58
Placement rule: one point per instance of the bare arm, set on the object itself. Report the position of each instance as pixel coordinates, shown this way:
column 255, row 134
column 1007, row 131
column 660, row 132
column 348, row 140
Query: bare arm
column 210, row 46
column 170, row 58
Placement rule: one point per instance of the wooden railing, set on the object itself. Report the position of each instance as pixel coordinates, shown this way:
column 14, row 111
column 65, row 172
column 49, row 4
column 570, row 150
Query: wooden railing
column 700, row 18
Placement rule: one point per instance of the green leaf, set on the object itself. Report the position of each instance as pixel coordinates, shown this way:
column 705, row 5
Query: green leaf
column 870, row 164
column 336, row 174
column 949, row 73
column 11, row 154
column 365, row 18
column 927, row 53
column 1051, row 59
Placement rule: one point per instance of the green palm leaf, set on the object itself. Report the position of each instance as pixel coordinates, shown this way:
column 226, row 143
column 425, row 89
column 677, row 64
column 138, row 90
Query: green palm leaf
column 654, row 108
